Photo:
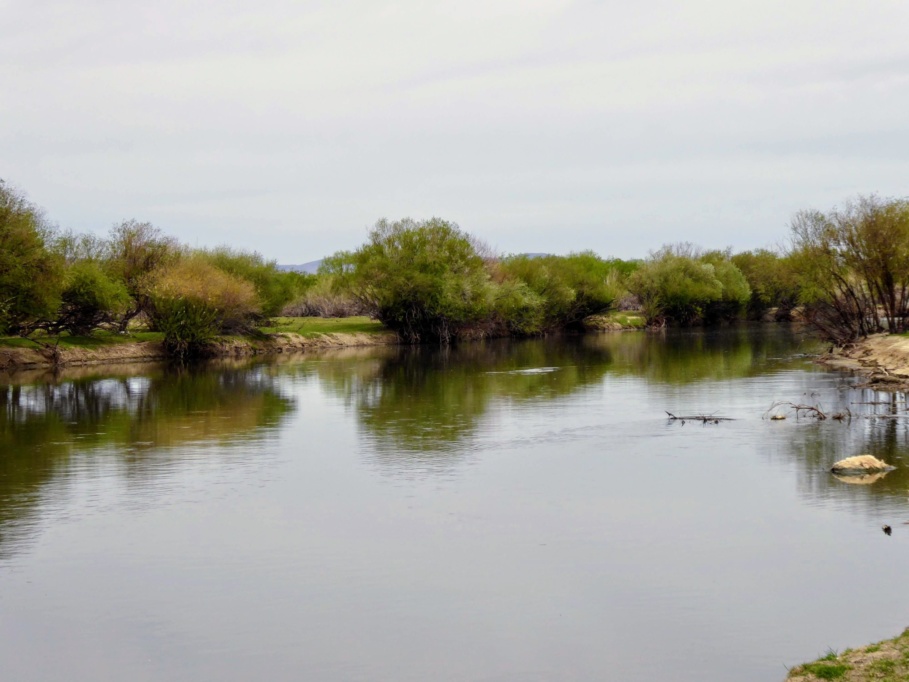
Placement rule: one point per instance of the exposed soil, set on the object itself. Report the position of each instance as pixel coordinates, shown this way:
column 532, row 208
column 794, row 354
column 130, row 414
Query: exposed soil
column 882, row 358
column 16, row 359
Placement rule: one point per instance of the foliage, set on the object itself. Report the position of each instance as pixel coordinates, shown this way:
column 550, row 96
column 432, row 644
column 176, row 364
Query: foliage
column 735, row 290
column 192, row 302
column 773, row 279
column 324, row 298
column 30, row 275
column 90, row 297
column 565, row 289
column 853, row 266
column 135, row 250
column 680, row 285
column 425, row 280
column 274, row 288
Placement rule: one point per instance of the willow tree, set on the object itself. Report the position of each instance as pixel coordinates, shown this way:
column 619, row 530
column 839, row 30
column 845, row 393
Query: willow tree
column 854, row 267
column 423, row 279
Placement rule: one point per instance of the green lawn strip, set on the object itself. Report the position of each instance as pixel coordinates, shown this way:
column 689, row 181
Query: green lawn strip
column 310, row 327
column 99, row 339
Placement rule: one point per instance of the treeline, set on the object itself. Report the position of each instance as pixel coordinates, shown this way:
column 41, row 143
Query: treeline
column 54, row 281
column 847, row 270
column 430, row 281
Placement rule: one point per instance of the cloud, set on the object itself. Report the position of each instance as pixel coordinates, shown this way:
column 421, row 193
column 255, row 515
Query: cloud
column 289, row 127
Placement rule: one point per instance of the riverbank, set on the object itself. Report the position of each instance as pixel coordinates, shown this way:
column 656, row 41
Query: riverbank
column 885, row 660
column 286, row 335
column 290, row 335
column 883, row 359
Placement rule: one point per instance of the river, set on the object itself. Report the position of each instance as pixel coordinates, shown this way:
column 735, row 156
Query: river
column 500, row 511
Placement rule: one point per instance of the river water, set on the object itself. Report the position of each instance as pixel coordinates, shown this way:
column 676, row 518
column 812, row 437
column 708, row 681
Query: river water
column 507, row 511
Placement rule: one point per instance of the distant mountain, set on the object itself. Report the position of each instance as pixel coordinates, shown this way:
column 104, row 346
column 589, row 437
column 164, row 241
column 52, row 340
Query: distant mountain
column 310, row 268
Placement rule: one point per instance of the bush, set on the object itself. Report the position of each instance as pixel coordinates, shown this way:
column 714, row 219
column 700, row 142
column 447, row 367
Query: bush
column 773, row 280
column 91, row 297
column 735, row 292
column 425, row 280
column 134, row 251
column 192, row 302
column 568, row 288
column 274, row 288
column 30, row 275
column 325, row 299
column 680, row 285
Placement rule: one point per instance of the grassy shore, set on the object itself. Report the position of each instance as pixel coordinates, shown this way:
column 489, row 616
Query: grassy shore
column 307, row 327
column 885, row 661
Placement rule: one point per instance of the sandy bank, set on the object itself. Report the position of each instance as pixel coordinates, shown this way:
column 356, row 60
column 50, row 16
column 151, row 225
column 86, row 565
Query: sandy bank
column 882, row 358
column 15, row 359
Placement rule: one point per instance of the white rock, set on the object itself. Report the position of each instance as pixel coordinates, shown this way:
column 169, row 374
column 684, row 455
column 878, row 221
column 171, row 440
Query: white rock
column 860, row 464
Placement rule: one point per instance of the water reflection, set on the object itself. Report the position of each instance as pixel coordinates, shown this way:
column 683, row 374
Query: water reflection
column 48, row 429
column 422, row 406
column 879, row 426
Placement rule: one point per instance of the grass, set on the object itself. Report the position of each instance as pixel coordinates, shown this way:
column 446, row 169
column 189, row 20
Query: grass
column 310, row 327
column 99, row 339
column 614, row 320
column 628, row 320
column 885, row 661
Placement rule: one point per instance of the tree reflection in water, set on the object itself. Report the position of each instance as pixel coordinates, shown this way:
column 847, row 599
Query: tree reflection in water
column 50, row 430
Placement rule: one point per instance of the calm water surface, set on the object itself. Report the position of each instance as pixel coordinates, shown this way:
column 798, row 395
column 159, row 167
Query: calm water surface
column 494, row 512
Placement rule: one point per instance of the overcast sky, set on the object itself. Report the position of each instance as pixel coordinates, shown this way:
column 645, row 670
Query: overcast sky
column 290, row 127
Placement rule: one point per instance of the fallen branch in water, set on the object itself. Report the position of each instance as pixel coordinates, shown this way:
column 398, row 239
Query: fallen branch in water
column 813, row 411
column 703, row 418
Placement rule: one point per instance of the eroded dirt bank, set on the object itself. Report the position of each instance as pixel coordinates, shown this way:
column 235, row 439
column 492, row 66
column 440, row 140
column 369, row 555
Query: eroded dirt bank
column 882, row 358
column 15, row 359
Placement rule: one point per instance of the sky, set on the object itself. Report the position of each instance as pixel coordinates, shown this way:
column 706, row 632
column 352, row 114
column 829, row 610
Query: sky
column 289, row 127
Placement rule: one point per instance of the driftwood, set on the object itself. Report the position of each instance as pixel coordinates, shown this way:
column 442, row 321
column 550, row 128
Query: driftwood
column 813, row 411
column 703, row 418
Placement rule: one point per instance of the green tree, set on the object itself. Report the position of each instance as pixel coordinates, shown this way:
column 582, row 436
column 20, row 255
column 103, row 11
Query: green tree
column 135, row 251
column 568, row 288
column 30, row 275
column 274, row 288
column 423, row 279
column 90, row 298
column 773, row 279
column 853, row 266
column 679, row 284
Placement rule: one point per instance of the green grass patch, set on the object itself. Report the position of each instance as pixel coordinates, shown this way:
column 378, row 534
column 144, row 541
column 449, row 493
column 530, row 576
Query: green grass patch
column 826, row 670
column 316, row 326
column 628, row 320
column 99, row 339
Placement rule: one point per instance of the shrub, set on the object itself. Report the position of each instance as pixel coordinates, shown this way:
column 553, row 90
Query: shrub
column 773, row 280
column 325, row 299
column 274, row 288
column 134, row 251
column 90, row 298
column 192, row 302
column 569, row 288
column 680, row 285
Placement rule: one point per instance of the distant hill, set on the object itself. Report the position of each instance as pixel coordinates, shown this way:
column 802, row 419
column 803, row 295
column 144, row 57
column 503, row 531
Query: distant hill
column 310, row 268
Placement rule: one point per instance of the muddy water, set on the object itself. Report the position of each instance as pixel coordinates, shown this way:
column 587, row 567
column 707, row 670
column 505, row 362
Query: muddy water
column 500, row 511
